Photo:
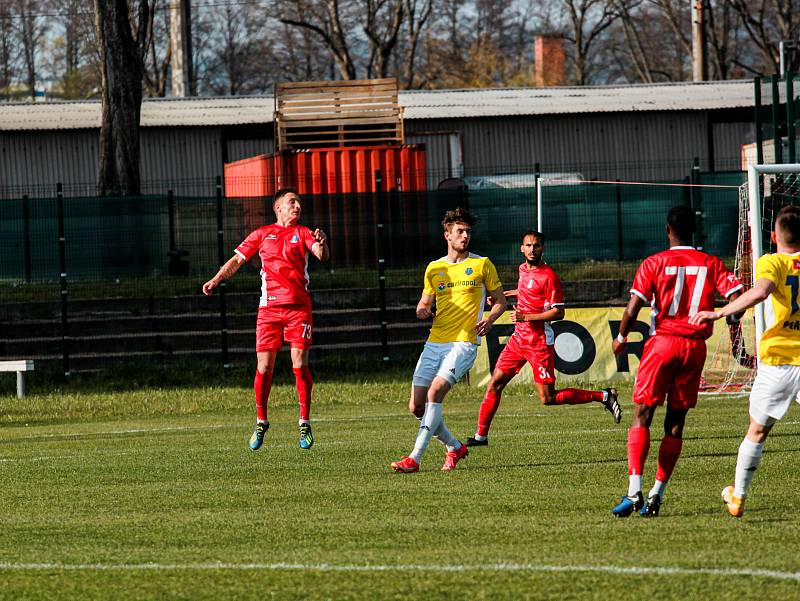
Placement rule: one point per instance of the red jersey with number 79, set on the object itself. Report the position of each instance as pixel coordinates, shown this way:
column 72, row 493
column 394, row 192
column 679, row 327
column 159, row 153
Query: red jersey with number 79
column 283, row 251
column 678, row 283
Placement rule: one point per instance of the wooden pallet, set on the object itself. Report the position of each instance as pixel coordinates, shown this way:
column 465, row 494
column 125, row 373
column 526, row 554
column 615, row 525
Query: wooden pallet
column 316, row 114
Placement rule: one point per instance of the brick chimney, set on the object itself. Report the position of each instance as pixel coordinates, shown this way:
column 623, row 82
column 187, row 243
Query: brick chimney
column 549, row 61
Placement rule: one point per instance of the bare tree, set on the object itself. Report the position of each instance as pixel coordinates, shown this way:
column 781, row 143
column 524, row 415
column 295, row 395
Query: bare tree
column 8, row 51
column 418, row 13
column 767, row 23
column 31, row 29
column 123, row 42
column 586, row 21
column 158, row 54
column 328, row 20
column 383, row 20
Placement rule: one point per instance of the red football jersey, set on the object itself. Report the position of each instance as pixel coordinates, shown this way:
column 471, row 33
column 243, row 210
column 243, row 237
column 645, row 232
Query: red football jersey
column 538, row 290
column 284, row 263
column 678, row 283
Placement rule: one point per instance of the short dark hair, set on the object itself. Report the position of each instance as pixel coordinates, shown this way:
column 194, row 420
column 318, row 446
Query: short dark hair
column 458, row 215
column 281, row 192
column 787, row 224
column 539, row 235
column 682, row 221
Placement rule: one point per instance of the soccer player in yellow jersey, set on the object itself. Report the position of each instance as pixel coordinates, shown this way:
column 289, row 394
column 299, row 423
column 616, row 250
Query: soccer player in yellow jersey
column 778, row 380
column 459, row 283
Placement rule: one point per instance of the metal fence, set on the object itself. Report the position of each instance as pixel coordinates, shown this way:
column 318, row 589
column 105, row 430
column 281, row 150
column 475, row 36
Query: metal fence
column 68, row 260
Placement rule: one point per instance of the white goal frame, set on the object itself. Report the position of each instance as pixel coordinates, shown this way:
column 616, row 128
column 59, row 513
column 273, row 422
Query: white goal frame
column 754, row 217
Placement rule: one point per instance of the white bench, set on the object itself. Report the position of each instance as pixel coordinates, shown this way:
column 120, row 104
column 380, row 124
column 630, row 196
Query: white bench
column 20, row 367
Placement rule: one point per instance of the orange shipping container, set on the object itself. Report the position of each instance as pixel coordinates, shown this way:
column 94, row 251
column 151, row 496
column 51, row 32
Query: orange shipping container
column 341, row 170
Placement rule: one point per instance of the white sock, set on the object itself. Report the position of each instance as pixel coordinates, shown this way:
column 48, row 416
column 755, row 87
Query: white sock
column 430, row 422
column 446, row 437
column 479, row 437
column 261, row 421
column 746, row 465
column 634, row 484
column 659, row 488
column 300, row 422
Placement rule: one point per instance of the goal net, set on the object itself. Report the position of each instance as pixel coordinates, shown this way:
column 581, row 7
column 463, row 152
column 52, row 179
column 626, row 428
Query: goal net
column 731, row 365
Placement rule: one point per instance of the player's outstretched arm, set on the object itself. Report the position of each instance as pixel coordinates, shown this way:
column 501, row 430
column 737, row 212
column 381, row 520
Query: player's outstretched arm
column 751, row 298
column 320, row 248
column 226, row 271
column 424, row 306
column 628, row 319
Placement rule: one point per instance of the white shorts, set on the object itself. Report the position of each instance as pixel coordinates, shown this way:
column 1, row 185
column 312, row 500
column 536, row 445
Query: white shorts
column 447, row 360
column 774, row 389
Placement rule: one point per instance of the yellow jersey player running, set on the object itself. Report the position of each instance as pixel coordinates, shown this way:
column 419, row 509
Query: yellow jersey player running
column 778, row 380
column 458, row 282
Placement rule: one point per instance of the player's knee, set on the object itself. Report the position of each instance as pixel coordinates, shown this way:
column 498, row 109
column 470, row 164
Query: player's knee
column 415, row 409
column 264, row 367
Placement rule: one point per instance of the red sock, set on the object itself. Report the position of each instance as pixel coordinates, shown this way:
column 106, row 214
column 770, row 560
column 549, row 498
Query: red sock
column 668, row 454
column 576, row 396
column 304, row 384
column 262, row 385
column 488, row 408
column 638, row 448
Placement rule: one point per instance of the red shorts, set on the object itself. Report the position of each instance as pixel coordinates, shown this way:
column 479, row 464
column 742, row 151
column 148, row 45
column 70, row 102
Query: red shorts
column 671, row 367
column 541, row 356
column 276, row 324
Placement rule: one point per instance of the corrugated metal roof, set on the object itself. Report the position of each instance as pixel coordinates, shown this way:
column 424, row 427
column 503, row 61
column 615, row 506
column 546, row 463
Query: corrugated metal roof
column 437, row 104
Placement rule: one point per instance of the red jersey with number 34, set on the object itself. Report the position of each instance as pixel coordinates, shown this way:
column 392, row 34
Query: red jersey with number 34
column 284, row 263
column 678, row 283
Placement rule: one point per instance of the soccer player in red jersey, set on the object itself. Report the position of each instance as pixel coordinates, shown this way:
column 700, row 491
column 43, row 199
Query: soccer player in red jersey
column 539, row 301
column 284, row 311
column 678, row 283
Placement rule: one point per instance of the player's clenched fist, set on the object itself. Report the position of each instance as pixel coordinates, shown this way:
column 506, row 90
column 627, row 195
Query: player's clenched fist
column 424, row 313
column 320, row 236
column 209, row 286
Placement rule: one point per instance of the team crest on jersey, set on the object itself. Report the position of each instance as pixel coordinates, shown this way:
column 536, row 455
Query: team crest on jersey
column 441, row 286
column 468, row 271
column 530, row 283
column 294, row 239
column 795, row 264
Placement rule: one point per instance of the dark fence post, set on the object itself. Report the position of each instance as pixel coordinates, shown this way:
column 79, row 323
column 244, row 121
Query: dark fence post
column 381, row 264
column 790, row 115
column 620, row 242
column 62, row 263
column 777, row 137
column 696, row 202
column 26, row 237
column 223, row 312
column 171, row 215
column 758, row 121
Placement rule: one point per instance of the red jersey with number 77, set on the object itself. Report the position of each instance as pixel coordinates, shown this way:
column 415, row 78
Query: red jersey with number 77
column 283, row 251
column 678, row 283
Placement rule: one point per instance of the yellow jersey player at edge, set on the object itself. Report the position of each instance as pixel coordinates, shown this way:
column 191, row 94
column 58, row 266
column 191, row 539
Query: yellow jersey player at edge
column 458, row 282
column 777, row 382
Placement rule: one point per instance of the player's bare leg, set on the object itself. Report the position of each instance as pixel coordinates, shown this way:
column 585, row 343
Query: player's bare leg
column 638, row 448
column 262, row 385
column 489, row 405
column 668, row 453
column 304, row 384
column 607, row 397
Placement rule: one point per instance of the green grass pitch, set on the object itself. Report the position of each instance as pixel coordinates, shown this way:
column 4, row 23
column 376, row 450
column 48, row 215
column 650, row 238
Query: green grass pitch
column 154, row 494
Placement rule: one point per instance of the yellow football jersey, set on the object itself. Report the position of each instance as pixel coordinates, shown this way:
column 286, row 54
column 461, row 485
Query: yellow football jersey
column 780, row 342
column 460, row 291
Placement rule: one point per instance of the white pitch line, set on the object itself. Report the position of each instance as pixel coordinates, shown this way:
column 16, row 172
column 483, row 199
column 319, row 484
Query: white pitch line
column 442, row 568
